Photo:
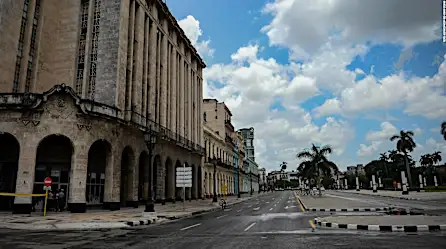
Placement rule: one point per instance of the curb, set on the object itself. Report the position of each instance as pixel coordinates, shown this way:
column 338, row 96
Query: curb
column 143, row 222
column 348, row 209
column 343, row 209
column 383, row 228
column 395, row 197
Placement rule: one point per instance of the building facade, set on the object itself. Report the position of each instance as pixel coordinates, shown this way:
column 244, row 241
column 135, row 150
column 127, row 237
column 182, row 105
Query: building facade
column 217, row 117
column 214, row 166
column 104, row 97
column 239, row 156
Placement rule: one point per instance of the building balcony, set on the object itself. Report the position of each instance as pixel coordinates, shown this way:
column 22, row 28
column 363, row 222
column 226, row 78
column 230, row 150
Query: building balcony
column 30, row 104
column 229, row 141
column 229, row 125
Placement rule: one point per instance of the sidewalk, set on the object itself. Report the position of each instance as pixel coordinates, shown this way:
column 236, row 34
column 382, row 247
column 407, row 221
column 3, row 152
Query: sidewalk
column 333, row 203
column 421, row 196
column 104, row 219
column 402, row 223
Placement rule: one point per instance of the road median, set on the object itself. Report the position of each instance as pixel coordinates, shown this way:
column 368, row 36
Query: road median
column 385, row 223
column 331, row 203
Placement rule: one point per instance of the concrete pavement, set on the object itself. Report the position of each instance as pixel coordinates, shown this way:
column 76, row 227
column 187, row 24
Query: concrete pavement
column 421, row 196
column 103, row 219
column 274, row 220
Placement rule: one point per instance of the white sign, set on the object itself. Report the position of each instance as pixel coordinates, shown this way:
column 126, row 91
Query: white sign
column 46, row 187
column 184, row 177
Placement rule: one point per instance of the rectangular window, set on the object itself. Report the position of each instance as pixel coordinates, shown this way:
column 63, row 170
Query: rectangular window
column 83, row 29
column 32, row 48
column 18, row 64
column 94, row 49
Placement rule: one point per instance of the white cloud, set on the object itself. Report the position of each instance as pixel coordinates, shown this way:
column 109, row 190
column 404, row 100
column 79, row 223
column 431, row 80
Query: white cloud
column 379, row 142
column 391, row 92
column 251, row 87
column 191, row 28
column 305, row 26
column 329, row 35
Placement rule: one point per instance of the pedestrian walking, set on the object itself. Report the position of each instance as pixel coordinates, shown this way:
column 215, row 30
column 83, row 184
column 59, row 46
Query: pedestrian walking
column 61, row 200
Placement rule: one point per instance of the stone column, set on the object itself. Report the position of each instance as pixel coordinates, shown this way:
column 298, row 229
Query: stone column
column 145, row 86
column 78, row 179
column 160, row 183
column 152, row 68
column 129, row 78
column 173, row 96
column 189, row 101
column 138, row 59
column 181, row 93
column 25, row 176
column 163, row 82
column 113, row 181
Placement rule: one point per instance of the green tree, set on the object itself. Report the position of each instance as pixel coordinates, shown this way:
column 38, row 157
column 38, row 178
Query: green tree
column 443, row 130
column 405, row 144
column 316, row 162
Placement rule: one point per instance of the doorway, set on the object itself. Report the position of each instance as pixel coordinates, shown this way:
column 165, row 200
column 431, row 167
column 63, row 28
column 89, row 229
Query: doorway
column 9, row 161
column 53, row 160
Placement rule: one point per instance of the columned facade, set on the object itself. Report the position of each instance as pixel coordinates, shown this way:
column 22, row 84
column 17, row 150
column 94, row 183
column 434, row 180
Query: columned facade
column 223, row 181
column 128, row 72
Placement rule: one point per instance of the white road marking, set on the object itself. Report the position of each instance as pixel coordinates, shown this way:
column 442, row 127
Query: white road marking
column 267, row 202
column 239, row 210
column 270, row 209
column 286, row 207
column 275, row 204
column 249, row 206
column 228, row 209
column 189, row 227
column 249, row 227
column 221, row 216
column 256, row 208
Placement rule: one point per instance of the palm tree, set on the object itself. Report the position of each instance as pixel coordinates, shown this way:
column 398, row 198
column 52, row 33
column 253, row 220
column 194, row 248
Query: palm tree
column 426, row 160
column 436, row 157
column 283, row 166
column 384, row 160
column 316, row 162
column 443, row 130
column 405, row 144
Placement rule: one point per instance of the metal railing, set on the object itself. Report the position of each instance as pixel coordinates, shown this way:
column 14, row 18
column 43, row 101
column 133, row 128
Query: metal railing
column 30, row 101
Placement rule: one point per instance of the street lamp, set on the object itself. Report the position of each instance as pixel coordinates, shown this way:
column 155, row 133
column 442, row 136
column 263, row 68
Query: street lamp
column 214, row 162
column 250, row 179
column 150, row 139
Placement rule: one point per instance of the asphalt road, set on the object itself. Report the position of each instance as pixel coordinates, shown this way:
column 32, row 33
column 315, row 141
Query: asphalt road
column 269, row 221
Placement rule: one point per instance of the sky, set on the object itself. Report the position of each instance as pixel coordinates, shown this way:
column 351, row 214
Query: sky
column 349, row 74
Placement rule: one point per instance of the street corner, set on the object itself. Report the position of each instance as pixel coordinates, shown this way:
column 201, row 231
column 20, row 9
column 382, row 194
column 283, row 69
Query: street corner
column 407, row 224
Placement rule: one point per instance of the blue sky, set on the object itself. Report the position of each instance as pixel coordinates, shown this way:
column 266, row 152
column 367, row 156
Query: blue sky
column 389, row 55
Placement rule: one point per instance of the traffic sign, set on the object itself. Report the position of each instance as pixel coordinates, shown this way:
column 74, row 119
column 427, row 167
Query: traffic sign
column 184, row 177
column 47, row 182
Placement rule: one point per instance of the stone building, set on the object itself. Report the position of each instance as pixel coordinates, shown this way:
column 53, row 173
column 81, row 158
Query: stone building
column 103, row 96
column 215, row 147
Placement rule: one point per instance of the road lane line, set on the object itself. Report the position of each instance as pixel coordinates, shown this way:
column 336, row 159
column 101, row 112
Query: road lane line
column 275, row 204
column 189, row 227
column 239, row 210
column 221, row 216
column 249, row 227
column 256, row 208
column 249, row 206
column 270, row 209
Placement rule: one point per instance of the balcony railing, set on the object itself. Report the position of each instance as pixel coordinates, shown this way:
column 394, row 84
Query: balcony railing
column 33, row 101
column 229, row 125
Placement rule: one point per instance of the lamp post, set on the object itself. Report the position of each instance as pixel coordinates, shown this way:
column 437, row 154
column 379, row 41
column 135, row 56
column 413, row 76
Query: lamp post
column 214, row 162
column 150, row 139
column 264, row 182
